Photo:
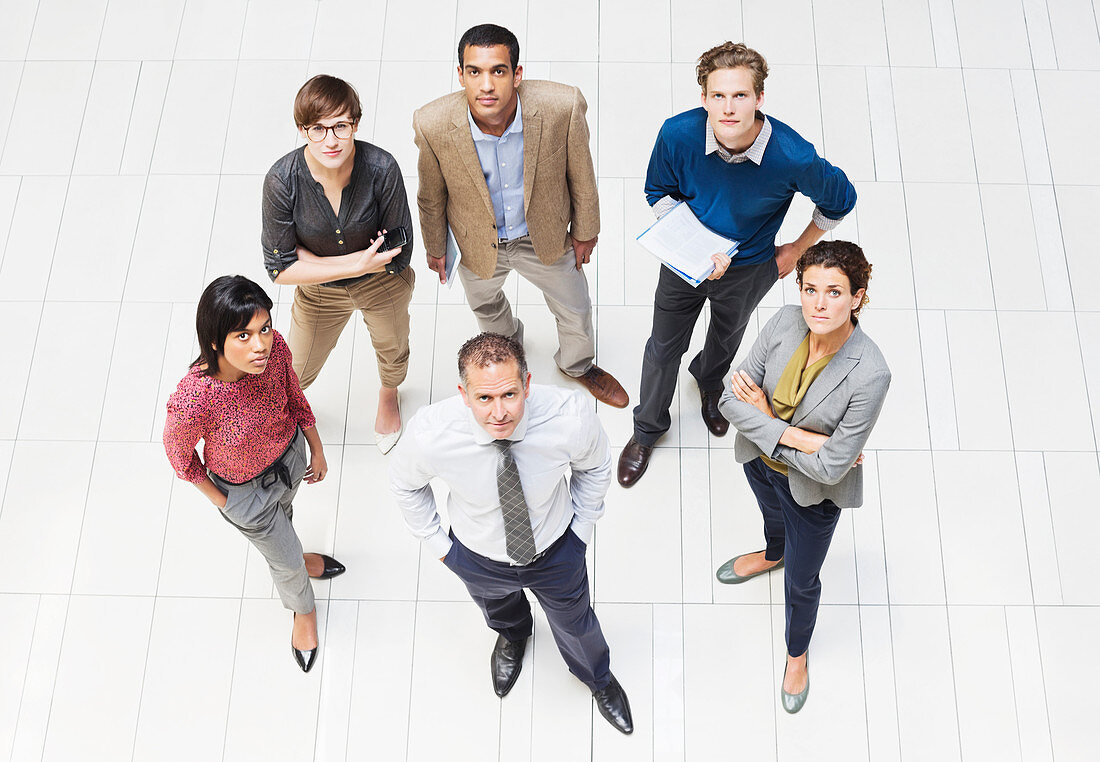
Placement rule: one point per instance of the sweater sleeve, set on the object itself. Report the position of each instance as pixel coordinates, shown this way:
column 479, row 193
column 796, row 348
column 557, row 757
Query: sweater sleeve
column 187, row 422
column 829, row 188
column 297, row 405
column 660, row 177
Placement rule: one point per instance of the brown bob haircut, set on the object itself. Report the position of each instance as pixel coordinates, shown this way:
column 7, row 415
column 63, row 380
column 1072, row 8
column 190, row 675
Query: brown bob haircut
column 732, row 55
column 326, row 96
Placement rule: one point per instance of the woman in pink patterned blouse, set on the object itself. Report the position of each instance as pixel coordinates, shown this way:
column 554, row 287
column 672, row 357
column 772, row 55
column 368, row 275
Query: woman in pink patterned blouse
column 241, row 396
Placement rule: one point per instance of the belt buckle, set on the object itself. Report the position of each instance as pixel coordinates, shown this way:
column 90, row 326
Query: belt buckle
column 268, row 478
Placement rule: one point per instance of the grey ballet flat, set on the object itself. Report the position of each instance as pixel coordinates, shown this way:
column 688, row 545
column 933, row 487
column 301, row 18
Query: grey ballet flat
column 793, row 702
column 727, row 576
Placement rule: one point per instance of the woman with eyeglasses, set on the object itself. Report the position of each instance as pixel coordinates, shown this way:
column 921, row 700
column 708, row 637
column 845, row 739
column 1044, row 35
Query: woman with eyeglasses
column 242, row 399
column 804, row 405
column 326, row 207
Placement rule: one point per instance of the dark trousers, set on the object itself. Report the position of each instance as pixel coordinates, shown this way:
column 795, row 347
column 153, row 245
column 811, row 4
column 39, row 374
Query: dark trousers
column 801, row 536
column 676, row 307
column 559, row 579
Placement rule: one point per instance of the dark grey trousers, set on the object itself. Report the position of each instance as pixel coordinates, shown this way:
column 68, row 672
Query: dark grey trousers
column 676, row 307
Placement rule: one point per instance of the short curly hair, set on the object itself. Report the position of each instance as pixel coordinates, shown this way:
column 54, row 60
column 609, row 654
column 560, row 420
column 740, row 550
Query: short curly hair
column 487, row 349
column 732, row 55
column 844, row 256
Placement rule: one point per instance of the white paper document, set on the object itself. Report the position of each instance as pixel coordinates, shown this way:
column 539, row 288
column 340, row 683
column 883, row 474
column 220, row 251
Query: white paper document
column 685, row 245
column 452, row 258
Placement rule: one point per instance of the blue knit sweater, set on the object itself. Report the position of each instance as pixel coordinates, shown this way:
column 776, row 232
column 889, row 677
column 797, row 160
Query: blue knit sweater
column 743, row 201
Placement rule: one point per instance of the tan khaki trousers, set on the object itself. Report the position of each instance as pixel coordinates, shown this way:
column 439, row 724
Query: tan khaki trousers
column 564, row 288
column 319, row 314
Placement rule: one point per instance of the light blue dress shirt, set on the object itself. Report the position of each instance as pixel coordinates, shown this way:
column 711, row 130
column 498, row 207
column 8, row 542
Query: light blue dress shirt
column 502, row 163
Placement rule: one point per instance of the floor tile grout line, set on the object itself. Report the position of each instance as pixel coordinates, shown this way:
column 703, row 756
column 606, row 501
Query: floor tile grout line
column 129, row 119
column 951, row 378
column 11, row 219
column 19, row 85
column 1012, row 679
column 1039, row 640
column 26, row 672
column 889, row 603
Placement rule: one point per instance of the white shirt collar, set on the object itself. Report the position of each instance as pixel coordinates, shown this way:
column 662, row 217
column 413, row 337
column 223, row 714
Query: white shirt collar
column 754, row 153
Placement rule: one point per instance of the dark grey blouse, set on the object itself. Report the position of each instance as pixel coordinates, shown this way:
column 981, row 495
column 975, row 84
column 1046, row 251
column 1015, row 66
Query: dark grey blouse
column 295, row 211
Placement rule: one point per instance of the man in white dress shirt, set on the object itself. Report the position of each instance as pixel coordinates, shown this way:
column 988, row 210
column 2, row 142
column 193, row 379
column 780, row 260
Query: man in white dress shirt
column 527, row 470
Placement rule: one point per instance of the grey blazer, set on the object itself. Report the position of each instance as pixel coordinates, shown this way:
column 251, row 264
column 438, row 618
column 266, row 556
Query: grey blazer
column 843, row 403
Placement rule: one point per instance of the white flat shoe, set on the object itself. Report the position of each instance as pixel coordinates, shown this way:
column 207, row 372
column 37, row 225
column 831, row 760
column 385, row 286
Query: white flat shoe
column 385, row 442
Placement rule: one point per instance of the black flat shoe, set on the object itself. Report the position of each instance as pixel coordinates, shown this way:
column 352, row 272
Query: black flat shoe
column 333, row 568
column 505, row 663
column 305, row 659
column 614, row 706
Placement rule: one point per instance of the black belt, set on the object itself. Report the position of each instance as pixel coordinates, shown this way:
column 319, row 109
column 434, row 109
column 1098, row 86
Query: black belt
column 276, row 472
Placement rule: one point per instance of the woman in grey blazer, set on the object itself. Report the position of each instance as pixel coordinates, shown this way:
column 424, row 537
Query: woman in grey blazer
column 804, row 404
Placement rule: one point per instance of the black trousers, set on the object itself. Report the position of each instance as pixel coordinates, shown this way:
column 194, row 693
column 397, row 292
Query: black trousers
column 676, row 307
column 799, row 535
column 559, row 579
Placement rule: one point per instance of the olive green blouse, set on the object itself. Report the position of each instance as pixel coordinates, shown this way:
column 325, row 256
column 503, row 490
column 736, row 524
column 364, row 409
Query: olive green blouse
column 792, row 386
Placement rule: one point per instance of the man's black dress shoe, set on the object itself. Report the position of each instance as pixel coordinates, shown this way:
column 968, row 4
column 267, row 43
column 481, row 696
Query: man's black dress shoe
column 633, row 461
column 614, row 706
column 333, row 568
column 712, row 417
column 505, row 663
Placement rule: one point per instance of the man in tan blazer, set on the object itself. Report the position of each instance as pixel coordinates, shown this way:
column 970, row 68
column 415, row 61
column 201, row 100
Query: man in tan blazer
column 506, row 165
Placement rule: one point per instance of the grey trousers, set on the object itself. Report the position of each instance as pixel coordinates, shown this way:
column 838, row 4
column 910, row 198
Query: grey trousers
column 263, row 515
column 564, row 288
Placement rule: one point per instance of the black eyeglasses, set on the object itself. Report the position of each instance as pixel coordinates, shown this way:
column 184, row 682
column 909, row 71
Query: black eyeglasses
column 317, row 132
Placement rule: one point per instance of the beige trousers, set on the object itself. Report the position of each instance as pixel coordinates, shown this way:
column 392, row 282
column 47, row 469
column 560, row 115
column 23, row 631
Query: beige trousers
column 564, row 288
column 319, row 314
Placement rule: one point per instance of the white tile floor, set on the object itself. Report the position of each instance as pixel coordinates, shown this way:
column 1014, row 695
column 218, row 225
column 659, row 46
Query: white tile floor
column 960, row 606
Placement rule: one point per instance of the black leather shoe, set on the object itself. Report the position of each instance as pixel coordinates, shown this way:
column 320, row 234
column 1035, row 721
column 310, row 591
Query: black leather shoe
column 712, row 417
column 333, row 568
column 506, row 663
column 614, row 706
column 633, row 461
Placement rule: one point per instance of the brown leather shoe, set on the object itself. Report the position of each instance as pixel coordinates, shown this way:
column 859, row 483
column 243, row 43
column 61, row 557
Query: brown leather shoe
column 712, row 417
column 603, row 386
column 633, row 461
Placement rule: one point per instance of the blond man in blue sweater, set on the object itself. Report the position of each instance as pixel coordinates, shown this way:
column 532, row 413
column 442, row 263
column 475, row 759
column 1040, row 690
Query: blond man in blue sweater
column 738, row 171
